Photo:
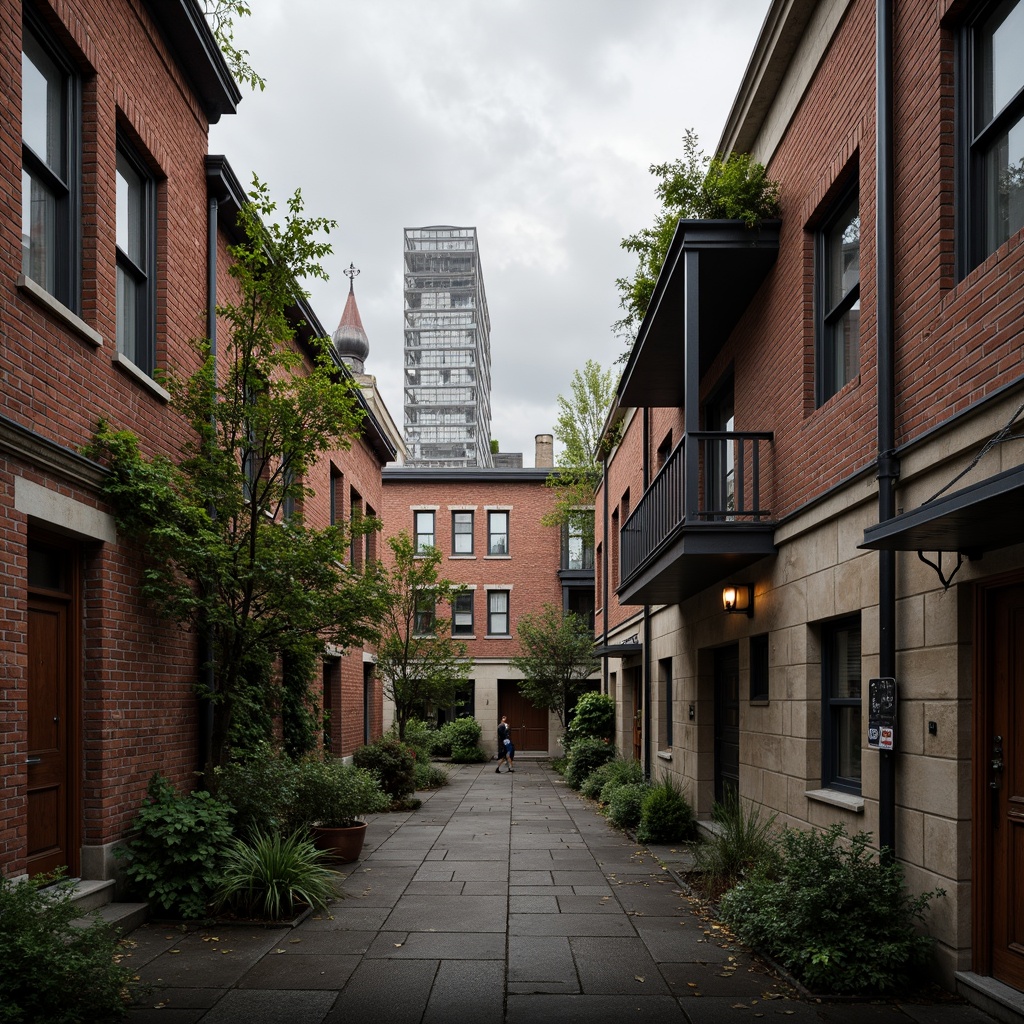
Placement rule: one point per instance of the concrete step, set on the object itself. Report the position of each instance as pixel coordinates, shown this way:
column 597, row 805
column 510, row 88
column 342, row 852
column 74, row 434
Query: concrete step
column 92, row 894
column 123, row 918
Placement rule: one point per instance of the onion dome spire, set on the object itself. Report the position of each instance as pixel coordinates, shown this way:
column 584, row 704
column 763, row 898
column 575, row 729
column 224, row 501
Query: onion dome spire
column 350, row 341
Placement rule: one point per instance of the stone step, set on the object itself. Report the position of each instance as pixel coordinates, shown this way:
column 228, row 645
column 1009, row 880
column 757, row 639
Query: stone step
column 91, row 894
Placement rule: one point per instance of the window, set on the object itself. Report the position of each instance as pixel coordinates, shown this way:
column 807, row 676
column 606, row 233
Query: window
column 497, row 613
column 578, row 541
column 462, row 533
column 991, row 113
column 355, row 527
column 462, row 614
column 337, row 494
column 370, row 538
column 497, row 533
column 136, row 292
column 840, row 712
column 50, row 169
column 837, row 305
column 759, row 667
column 423, row 620
column 423, row 527
column 665, row 709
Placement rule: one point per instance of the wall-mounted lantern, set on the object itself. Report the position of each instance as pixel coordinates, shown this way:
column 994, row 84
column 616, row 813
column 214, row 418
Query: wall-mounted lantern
column 738, row 597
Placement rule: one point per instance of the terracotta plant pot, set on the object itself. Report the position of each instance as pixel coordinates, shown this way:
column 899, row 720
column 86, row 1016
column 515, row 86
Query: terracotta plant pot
column 343, row 844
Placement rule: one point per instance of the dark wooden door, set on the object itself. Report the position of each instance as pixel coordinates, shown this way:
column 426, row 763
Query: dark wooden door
column 727, row 723
column 527, row 724
column 999, row 792
column 49, row 789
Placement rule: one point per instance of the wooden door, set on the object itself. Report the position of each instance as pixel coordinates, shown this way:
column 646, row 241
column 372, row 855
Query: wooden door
column 49, row 788
column 727, row 723
column 999, row 786
column 527, row 724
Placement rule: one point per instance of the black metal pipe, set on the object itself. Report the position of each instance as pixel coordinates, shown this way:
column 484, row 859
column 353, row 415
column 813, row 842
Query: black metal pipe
column 647, row 611
column 604, row 573
column 888, row 466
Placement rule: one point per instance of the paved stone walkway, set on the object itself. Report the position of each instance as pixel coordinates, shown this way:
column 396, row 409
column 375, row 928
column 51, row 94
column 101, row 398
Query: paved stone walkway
column 503, row 899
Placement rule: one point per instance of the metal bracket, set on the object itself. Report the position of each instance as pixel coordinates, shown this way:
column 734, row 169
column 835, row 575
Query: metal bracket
column 938, row 567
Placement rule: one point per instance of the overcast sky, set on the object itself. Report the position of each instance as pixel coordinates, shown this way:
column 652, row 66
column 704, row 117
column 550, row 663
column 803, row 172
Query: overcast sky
column 533, row 120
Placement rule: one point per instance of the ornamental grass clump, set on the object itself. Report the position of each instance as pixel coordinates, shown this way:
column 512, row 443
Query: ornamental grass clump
column 834, row 914
column 270, row 877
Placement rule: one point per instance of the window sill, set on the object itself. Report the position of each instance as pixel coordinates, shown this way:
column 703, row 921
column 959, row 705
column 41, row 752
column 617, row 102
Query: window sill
column 461, row 558
column 837, row 798
column 664, row 755
column 497, row 558
column 498, row 636
column 140, row 376
column 41, row 297
column 463, row 636
column 759, row 702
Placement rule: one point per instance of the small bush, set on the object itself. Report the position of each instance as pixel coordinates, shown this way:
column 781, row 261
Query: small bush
column 626, row 804
column 429, row 776
column 421, row 737
column 260, row 786
column 744, row 842
column 624, row 773
column 835, row 916
column 584, row 756
column 616, row 771
column 54, row 971
column 392, row 762
column 594, row 715
column 461, row 738
column 269, row 877
column 175, row 853
column 667, row 816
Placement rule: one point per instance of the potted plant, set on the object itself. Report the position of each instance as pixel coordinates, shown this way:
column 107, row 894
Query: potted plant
column 330, row 799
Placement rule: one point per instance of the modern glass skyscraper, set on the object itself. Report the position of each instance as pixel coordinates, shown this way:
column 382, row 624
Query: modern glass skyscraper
column 447, row 349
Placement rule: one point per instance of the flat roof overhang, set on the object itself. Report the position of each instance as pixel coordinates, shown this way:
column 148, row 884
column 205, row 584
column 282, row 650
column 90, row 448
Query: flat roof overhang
column 733, row 261
column 983, row 517
column 700, row 557
column 618, row 650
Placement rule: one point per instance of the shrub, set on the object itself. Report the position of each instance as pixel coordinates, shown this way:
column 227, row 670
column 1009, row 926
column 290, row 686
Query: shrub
column 392, row 762
column 743, row 842
column 626, row 804
column 429, row 776
column 584, row 756
column 269, row 876
column 331, row 793
column 53, row 970
column 594, row 715
column 622, row 773
column 618, row 770
column 837, row 917
column 461, row 738
column 175, row 853
column 421, row 737
column 260, row 786
column 667, row 816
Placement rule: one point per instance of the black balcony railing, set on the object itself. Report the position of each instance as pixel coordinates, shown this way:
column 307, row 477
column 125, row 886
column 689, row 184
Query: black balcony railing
column 721, row 487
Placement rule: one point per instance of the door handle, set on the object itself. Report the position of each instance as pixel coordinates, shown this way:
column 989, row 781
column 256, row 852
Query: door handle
column 33, row 760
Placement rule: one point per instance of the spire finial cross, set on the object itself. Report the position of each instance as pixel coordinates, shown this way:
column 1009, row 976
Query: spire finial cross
column 351, row 273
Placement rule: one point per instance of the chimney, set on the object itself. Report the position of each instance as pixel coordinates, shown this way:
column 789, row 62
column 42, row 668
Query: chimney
column 545, row 451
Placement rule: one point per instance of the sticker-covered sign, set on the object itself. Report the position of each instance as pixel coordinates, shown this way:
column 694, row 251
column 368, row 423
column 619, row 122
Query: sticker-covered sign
column 882, row 713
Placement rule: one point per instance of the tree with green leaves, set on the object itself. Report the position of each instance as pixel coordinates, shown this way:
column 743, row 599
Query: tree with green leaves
column 581, row 417
column 222, row 14
column 556, row 658
column 227, row 549
column 418, row 660
column 690, row 187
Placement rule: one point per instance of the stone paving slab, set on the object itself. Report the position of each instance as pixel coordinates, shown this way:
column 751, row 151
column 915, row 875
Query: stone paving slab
column 505, row 900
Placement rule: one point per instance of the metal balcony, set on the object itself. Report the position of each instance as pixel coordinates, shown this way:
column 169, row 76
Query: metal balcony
column 702, row 518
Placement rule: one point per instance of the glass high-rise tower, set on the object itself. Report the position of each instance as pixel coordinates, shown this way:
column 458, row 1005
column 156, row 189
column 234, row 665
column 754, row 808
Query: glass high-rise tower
column 447, row 349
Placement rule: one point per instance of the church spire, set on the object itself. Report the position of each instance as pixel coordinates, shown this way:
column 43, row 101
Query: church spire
column 350, row 341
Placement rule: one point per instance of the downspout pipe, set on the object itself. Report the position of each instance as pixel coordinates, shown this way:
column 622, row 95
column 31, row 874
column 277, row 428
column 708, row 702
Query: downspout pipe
column 647, row 611
column 205, row 739
column 604, row 572
column 888, row 465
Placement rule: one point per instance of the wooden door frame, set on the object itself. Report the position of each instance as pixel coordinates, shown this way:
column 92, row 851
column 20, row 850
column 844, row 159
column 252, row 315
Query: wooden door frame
column 981, row 800
column 74, row 711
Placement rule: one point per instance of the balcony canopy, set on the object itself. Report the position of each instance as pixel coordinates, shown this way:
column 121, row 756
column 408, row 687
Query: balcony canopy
column 983, row 517
column 732, row 261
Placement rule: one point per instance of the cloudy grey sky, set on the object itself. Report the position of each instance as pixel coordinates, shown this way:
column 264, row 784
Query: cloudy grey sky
column 533, row 120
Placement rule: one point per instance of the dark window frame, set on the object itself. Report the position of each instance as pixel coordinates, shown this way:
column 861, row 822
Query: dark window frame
column 833, row 707
column 465, row 599
column 975, row 140
column 829, row 311
column 424, row 615
column 141, row 276
column 462, row 533
column 419, row 545
column 492, row 614
column 576, row 530
column 63, row 183
column 492, row 534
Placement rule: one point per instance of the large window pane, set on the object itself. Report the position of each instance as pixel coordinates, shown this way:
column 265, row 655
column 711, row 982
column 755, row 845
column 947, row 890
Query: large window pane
column 43, row 106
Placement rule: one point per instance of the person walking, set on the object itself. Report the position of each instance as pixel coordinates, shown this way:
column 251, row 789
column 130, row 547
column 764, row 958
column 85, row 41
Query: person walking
column 506, row 748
